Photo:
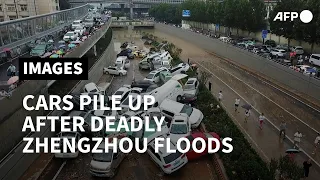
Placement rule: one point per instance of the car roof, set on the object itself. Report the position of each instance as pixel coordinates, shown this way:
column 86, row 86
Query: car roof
column 172, row 105
column 77, row 20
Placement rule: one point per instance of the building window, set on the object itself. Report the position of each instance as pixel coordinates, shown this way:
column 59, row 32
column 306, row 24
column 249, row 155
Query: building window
column 1, row 7
column 57, row 8
column 12, row 17
column 11, row 7
column 24, row 16
column 23, row 7
column 1, row 18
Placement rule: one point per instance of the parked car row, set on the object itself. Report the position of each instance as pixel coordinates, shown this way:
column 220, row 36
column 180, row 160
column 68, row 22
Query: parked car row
column 283, row 54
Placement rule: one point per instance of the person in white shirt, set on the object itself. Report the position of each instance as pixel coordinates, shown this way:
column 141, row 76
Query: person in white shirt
column 3, row 93
column 247, row 115
column 12, row 70
column 316, row 143
column 220, row 96
column 261, row 120
column 297, row 139
column 236, row 104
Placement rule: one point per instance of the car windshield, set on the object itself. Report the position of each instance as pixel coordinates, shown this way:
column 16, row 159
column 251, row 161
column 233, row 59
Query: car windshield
column 189, row 87
column 150, row 76
column 118, row 93
column 40, row 47
column 75, row 23
column 69, row 34
column 179, row 129
column 88, row 119
column 103, row 157
column 299, row 48
column 152, row 87
column 172, row 157
column 155, row 114
column 187, row 109
column 126, row 102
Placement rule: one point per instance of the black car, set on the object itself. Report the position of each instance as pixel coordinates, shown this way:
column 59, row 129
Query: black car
column 145, row 85
column 188, row 99
column 127, row 53
column 124, row 45
column 271, row 43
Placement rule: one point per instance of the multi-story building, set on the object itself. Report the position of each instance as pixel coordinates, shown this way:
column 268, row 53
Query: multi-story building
column 15, row 9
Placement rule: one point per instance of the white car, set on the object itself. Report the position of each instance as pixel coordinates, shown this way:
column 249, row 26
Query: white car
column 181, row 68
column 125, row 104
column 180, row 127
column 298, row 49
column 168, row 162
column 136, row 90
column 69, row 136
column 71, row 35
column 169, row 108
column 161, row 69
column 166, row 64
column 153, row 76
column 115, row 71
column 277, row 52
column 191, row 86
column 105, row 164
column 127, row 63
column 123, row 92
column 80, row 30
column 306, row 70
column 76, row 24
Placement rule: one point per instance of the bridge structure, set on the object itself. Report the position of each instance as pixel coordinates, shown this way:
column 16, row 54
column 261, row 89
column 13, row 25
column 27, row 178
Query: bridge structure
column 133, row 23
column 122, row 3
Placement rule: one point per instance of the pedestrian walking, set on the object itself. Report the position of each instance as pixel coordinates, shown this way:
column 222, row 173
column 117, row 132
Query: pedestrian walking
column 261, row 120
column 306, row 167
column 188, row 61
column 316, row 143
column 11, row 70
column 220, row 96
column 247, row 113
column 236, row 104
column 283, row 127
column 297, row 139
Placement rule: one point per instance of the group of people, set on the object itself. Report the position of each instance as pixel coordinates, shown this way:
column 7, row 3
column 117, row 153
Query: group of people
column 283, row 126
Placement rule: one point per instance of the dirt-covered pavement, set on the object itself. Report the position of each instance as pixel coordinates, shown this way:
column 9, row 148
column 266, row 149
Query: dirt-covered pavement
column 276, row 105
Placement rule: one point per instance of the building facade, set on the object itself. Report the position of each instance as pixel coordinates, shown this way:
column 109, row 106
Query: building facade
column 16, row 9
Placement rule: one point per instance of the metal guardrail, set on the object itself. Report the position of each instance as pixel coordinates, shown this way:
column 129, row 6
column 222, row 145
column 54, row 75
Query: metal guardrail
column 136, row 23
column 21, row 31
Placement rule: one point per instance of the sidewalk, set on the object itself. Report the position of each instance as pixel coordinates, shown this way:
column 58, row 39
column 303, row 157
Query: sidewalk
column 266, row 141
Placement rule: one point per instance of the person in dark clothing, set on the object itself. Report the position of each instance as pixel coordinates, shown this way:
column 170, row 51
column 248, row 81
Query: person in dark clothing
column 306, row 166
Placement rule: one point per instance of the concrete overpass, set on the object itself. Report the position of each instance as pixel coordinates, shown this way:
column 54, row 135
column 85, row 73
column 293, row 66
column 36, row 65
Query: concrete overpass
column 127, row 1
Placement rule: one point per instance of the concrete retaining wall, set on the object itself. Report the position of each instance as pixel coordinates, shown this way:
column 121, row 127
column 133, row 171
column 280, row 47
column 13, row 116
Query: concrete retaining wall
column 294, row 80
column 16, row 164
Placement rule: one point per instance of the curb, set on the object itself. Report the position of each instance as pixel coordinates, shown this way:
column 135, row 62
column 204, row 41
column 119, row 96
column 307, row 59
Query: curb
column 264, row 78
column 217, row 163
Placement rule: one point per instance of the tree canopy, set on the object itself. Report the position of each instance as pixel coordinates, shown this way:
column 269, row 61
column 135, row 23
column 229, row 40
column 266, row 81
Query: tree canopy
column 247, row 15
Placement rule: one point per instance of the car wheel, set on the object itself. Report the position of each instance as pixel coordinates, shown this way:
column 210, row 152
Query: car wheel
column 107, row 72
column 183, row 72
column 311, row 62
column 120, row 74
column 179, row 98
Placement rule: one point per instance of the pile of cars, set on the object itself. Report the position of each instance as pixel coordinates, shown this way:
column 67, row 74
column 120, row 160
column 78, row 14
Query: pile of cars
column 174, row 100
column 73, row 36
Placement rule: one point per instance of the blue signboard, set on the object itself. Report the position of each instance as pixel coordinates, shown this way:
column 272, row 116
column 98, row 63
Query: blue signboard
column 217, row 26
column 185, row 13
column 264, row 34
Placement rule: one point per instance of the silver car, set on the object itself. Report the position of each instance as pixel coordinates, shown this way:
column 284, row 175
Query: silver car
column 191, row 86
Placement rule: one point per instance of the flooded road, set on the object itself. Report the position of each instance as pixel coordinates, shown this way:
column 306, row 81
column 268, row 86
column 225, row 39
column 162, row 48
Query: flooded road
column 135, row 166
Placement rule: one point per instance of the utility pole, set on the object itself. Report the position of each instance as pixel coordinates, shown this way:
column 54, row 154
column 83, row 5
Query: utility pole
column 16, row 7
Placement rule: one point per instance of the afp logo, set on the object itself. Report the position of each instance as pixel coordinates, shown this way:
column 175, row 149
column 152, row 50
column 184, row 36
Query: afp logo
column 305, row 16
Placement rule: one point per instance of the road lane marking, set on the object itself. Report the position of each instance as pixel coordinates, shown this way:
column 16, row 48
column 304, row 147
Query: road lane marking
column 59, row 170
column 258, row 112
column 267, row 98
